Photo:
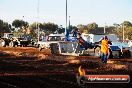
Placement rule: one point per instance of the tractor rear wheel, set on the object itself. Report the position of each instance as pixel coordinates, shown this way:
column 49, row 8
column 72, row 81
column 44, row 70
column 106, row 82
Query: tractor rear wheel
column 97, row 52
column 2, row 43
column 11, row 44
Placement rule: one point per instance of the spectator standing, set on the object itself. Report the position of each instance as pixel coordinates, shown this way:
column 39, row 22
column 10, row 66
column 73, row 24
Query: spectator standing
column 104, row 49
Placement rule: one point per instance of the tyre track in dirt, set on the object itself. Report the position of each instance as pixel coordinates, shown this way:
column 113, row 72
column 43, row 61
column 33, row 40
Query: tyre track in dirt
column 23, row 71
column 29, row 73
column 49, row 81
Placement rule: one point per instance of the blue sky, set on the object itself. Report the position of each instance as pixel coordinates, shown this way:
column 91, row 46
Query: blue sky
column 80, row 11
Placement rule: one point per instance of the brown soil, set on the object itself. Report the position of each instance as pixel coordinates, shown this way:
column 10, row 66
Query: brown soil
column 27, row 67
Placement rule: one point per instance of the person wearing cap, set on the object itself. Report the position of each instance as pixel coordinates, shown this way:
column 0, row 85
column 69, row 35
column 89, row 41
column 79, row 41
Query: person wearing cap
column 104, row 49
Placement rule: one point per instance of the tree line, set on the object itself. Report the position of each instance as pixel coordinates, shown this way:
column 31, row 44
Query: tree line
column 20, row 27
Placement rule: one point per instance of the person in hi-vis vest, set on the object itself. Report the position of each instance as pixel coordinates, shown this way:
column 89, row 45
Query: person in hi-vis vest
column 104, row 49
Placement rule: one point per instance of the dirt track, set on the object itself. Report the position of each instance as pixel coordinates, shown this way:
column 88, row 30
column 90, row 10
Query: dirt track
column 26, row 67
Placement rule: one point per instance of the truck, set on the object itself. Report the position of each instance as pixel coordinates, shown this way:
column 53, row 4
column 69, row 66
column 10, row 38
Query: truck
column 10, row 40
column 117, row 49
column 45, row 41
column 58, row 44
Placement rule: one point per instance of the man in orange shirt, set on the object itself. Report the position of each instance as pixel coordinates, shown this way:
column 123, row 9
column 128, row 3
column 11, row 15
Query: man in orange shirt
column 104, row 49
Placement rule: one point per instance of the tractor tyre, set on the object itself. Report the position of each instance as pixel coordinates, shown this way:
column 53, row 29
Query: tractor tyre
column 2, row 43
column 97, row 52
column 11, row 44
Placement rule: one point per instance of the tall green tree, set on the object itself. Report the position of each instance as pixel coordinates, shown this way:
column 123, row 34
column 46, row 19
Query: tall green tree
column 127, row 27
column 82, row 28
column 21, row 27
column 130, row 33
column 33, row 29
column 4, row 27
column 33, row 26
column 43, row 28
column 92, row 26
column 51, row 27
column 20, row 23
column 127, row 23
